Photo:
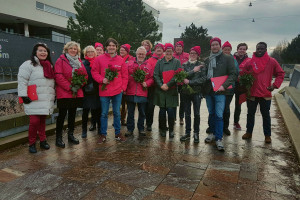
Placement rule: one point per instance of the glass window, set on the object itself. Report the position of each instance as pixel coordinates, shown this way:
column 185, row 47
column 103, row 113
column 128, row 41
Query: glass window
column 63, row 13
column 39, row 5
column 69, row 14
column 51, row 9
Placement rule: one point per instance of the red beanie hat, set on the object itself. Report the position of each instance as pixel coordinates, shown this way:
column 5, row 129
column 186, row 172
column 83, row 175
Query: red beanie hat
column 98, row 44
column 159, row 45
column 197, row 49
column 169, row 46
column 226, row 44
column 126, row 47
column 179, row 43
column 216, row 39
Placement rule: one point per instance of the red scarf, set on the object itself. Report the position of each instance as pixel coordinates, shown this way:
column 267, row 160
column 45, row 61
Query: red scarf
column 91, row 60
column 47, row 68
column 259, row 63
column 125, row 58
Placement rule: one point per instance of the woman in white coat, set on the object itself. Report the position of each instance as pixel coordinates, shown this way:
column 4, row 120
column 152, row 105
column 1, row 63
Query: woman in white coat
column 37, row 71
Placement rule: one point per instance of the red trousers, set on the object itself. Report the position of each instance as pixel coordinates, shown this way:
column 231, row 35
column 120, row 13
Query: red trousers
column 37, row 125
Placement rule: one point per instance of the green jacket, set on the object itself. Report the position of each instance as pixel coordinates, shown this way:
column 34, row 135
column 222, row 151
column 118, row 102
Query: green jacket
column 197, row 79
column 167, row 98
column 225, row 66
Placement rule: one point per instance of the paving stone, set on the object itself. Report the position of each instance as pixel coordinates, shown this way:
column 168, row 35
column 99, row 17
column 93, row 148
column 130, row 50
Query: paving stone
column 174, row 192
column 117, row 187
column 221, row 175
column 138, row 178
column 70, row 190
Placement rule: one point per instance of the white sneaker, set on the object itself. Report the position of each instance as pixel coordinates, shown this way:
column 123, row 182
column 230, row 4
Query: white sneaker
column 220, row 145
column 210, row 138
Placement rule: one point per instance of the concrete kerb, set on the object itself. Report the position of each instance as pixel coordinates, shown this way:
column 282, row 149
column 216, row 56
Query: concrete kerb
column 291, row 121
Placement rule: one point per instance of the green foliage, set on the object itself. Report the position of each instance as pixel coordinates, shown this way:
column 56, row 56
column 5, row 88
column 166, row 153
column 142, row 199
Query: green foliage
column 196, row 36
column 291, row 54
column 277, row 52
column 127, row 21
column 246, row 80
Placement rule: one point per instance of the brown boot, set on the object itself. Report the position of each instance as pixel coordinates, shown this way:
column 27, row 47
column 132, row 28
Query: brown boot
column 247, row 136
column 268, row 139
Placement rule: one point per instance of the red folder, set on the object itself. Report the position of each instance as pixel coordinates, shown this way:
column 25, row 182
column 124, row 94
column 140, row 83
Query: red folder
column 167, row 76
column 31, row 92
column 217, row 82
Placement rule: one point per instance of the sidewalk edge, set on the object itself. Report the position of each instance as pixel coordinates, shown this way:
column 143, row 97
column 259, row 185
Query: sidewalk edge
column 291, row 121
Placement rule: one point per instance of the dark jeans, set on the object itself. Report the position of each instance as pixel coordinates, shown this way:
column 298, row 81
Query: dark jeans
column 163, row 118
column 265, row 112
column 94, row 120
column 226, row 114
column 188, row 100
column 181, row 106
column 150, row 107
column 237, row 109
column 215, row 105
column 61, row 118
column 130, row 117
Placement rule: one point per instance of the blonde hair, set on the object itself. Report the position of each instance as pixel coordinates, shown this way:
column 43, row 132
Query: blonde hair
column 148, row 42
column 89, row 47
column 71, row 44
column 142, row 48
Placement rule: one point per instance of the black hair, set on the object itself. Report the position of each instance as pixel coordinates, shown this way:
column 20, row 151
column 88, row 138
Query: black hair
column 109, row 40
column 241, row 45
column 34, row 50
column 263, row 43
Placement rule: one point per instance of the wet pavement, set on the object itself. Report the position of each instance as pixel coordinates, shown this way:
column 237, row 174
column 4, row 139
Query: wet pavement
column 153, row 167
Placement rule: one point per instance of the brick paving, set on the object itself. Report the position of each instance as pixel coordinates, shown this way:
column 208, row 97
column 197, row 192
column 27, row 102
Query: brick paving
column 153, row 167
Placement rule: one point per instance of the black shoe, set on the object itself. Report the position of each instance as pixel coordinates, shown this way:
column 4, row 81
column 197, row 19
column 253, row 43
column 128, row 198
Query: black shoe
column 123, row 124
column 83, row 135
column 72, row 139
column 60, row 143
column 32, row 148
column 92, row 127
column 196, row 137
column 149, row 128
column 128, row 133
column 44, row 145
column 208, row 131
column 171, row 134
column 142, row 133
column 226, row 131
column 185, row 137
column 162, row 133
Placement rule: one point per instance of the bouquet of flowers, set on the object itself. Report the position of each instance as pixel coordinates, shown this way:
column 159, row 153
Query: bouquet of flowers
column 139, row 75
column 246, row 80
column 179, row 76
column 110, row 73
column 78, row 80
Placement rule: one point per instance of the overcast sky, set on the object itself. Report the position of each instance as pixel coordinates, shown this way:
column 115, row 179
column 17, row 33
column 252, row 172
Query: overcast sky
column 275, row 20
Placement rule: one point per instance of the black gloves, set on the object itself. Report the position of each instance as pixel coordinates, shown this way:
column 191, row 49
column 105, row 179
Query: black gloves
column 26, row 100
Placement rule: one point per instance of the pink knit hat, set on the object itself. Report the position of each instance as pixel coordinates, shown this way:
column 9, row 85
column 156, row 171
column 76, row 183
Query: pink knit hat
column 216, row 39
column 179, row 43
column 126, row 47
column 197, row 49
column 226, row 44
column 169, row 46
column 159, row 45
column 98, row 44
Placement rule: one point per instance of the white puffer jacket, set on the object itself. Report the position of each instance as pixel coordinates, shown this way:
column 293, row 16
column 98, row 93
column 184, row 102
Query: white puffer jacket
column 34, row 75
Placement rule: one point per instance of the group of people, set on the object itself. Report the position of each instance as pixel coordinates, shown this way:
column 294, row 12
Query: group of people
column 159, row 88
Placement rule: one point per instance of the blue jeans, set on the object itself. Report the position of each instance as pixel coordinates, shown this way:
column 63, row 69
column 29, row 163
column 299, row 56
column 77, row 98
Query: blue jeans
column 188, row 100
column 130, row 116
column 116, row 104
column 215, row 105
column 265, row 112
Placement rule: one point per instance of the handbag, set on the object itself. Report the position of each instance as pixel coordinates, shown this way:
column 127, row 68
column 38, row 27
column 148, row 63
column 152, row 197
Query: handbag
column 89, row 88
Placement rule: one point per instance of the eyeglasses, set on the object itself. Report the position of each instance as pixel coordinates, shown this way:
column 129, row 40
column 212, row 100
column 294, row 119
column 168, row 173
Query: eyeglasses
column 90, row 52
column 140, row 54
column 193, row 53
